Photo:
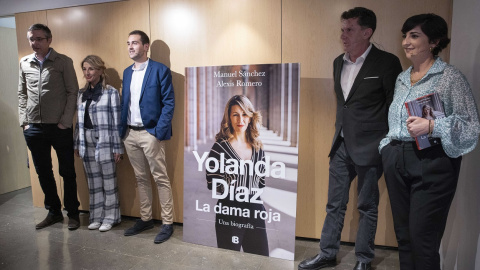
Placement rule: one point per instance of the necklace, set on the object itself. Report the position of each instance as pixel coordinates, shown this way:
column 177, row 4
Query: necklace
column 413, row 80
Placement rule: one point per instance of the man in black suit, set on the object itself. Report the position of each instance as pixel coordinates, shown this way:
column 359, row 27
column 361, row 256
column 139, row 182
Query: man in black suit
column 364, row 82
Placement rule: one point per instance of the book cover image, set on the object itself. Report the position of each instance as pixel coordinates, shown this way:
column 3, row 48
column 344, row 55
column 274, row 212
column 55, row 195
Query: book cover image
column 242, row 199
column 429, row 107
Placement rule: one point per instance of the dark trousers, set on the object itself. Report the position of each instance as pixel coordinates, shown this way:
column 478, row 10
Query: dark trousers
column 235, row 232
column 40, row 138
column 421, row 185
column 342, row 172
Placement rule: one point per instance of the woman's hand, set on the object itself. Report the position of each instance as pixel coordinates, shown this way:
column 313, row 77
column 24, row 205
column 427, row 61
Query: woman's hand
column 118, row 157
column 417, row 126
column 77, row 153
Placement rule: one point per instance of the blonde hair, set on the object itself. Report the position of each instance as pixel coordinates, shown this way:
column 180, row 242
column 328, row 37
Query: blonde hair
column 252, row 133
column 97, row 63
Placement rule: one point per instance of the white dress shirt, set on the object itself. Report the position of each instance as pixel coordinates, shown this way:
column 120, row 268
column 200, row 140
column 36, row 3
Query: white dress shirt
column 350, row 71
column 134, row 116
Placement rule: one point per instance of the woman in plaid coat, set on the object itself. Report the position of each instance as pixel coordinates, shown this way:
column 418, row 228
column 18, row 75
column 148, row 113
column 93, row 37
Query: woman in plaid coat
column 98, row 143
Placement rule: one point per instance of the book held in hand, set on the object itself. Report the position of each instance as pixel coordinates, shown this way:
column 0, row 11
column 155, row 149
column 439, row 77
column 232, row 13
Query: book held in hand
column 429, row 107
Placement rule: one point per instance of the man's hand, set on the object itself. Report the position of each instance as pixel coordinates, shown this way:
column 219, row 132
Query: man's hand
column 60, row 126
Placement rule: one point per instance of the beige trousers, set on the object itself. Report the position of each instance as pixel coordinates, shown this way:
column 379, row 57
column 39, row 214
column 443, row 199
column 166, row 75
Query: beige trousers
column 142, row 149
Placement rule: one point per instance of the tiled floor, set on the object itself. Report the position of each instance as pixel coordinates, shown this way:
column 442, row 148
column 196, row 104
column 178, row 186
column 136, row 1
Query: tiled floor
column 55, row 247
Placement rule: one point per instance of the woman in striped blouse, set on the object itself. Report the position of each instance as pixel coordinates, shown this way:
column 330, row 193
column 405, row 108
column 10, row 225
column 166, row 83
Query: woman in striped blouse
column 240, row 180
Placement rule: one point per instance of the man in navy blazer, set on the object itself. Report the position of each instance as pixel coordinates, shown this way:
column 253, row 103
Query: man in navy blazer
column 364, row 81
column 147, row 110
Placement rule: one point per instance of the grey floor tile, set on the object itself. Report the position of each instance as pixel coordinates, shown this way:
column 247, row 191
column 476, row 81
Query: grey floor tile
column 213, row 258
column 159, row 264
column 21, row 196
column 307, row 243
column 145, row 248
column 12, row 225
column 40, row 251
column 35, row 263
column 55, row 247
column 391, row 263
column 88, row 258
column 309, row 252
column 278, row 264
column 17, row 210
column 18, row 243
column 52, row 251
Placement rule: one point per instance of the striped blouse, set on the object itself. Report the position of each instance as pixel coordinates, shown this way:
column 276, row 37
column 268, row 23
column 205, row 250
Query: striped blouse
column 460, row 128
column 245, row 176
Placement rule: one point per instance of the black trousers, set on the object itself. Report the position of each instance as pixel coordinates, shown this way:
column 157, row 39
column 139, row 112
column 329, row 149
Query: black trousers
column 235, row 232
column 421, row 185
column 40, row 139
column 341, row 174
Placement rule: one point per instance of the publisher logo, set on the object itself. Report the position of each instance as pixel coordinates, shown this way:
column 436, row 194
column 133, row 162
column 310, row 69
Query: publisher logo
column 235, row 240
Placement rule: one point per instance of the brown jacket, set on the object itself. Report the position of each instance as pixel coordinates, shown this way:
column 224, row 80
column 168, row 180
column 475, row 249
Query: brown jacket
column 49, row 94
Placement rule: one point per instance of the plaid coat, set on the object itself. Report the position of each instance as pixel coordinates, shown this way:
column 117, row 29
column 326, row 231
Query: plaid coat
column 105, row 116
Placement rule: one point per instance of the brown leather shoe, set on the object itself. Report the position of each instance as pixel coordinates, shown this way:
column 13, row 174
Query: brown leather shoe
column 49, row 220
column 73, row 223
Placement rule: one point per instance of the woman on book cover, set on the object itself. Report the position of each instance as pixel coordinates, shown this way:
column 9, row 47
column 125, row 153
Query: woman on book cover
column 427, row 112
column 98, row 143
column 237, row 142
column 430, row 114
column 422, row 183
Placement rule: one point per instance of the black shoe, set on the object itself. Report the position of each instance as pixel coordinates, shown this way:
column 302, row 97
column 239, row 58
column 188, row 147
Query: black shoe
column 73, row 222
column 49, row 220
column 164, row 234
column 362, row 266
column 317, row 262
column 139, row 227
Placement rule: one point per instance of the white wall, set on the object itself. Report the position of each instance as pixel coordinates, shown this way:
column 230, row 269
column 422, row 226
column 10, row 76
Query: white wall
column 13, row 150
column 10, row 7
column 7, row 22
column 461, row 242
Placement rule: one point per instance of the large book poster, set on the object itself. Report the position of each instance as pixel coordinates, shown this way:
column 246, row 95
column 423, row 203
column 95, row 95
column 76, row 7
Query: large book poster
column 241, row 157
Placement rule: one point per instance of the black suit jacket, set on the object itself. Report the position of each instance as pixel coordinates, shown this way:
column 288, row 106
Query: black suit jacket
column 363, row 116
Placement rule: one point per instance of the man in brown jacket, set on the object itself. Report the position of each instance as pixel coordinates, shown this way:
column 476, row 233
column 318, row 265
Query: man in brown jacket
column 47, row 93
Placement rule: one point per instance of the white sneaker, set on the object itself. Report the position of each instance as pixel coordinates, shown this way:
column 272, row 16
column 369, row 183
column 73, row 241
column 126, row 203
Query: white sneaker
column 105, row 227
column 94, row 225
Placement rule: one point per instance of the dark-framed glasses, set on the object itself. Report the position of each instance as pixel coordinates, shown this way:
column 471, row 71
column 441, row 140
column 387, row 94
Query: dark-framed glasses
column 38, row 39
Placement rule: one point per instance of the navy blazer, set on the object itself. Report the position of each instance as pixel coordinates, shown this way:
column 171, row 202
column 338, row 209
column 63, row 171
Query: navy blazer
column 157, row 100
column 363, row 115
